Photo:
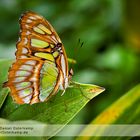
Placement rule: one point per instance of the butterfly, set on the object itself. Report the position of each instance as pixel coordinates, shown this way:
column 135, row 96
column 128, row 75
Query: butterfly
column 41, row 66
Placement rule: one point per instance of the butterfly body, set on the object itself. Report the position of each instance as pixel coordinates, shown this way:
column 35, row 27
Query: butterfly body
column 41, row 66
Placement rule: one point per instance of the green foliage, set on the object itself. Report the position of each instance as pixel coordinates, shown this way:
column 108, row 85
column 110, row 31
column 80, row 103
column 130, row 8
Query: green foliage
column 58, row 110
column 120, row 112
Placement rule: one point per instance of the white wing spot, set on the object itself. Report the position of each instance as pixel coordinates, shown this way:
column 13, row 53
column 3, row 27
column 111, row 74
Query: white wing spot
column 33, row 79
column 19, row 79
column 38, row 17
column 22, row 73
column 27, row 33
column 27, row 26
column 63, row 65
column 54, row 38
column 64, row 73
column 19, row 39
column 28, row 21
column 23, row 56
column 25, row 92
column 27, row 99
column 31, row 62
column 26, row 67
column 24, row 50
column 25, row 41
column 22, row 85
column 31, row 17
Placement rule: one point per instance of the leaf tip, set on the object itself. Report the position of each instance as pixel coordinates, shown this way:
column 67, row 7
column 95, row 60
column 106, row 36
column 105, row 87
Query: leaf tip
column 96, row 89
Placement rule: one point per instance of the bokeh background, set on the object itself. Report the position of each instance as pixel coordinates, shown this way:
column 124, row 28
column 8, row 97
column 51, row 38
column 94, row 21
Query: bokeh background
column 109, row 31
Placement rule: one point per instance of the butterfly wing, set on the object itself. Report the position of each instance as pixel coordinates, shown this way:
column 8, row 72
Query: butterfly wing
column 36, row 34
column 41, row 66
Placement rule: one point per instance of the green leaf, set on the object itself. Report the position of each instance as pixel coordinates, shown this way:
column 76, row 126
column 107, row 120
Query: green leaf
column 4, row 66
column 118, row 113
column 58, row 110
column 3, row 94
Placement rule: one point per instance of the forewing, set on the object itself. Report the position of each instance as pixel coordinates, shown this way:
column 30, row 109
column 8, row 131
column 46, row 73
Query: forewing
column 36, row 35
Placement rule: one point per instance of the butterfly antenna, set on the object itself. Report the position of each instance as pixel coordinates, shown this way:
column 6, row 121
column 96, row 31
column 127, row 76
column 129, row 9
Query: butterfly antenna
column 76, row 51
column 82, row 44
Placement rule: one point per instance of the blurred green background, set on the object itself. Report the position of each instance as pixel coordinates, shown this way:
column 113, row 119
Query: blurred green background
column 109, row 30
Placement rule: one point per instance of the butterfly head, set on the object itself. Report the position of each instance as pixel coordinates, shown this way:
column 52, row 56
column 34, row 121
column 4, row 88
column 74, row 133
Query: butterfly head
column 71, row 73
column 67, row 80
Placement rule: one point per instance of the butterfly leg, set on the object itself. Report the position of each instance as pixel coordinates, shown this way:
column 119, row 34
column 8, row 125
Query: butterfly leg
column 63, row 91
column 70, row 86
